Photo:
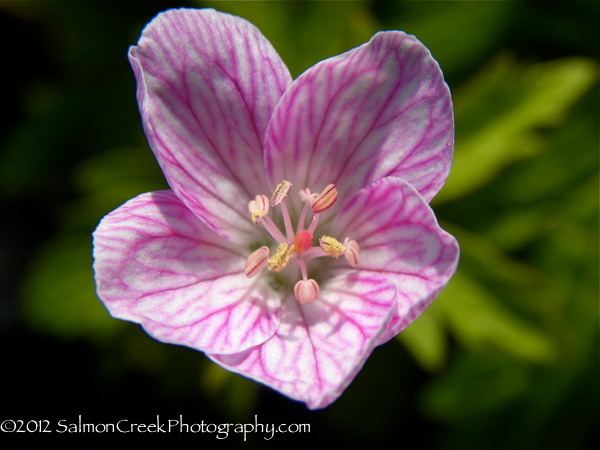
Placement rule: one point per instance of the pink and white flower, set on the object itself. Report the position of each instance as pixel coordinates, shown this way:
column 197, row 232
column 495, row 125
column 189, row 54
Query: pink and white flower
column 223, row 262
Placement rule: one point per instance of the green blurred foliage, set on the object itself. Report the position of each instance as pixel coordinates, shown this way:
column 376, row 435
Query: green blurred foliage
column 523, row 99
column 510, row 347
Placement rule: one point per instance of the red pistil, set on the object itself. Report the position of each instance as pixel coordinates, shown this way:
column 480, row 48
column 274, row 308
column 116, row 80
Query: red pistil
column 302, row 241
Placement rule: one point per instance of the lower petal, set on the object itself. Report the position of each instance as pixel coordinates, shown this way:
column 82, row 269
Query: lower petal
column 400, row 240
column 157, row 264
column 319, row 348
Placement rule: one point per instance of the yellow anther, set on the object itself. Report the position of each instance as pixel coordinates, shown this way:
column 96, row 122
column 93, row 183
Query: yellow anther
column 332, row 246
column 282, row 256
column 281, row 192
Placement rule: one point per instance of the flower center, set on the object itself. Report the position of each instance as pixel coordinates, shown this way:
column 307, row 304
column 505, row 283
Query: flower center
column 297, row 247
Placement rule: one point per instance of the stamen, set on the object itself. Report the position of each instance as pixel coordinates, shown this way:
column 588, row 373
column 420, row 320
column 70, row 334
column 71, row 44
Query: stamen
column 325, row 199
column 332, row 246
column 302, row 217
column 313, row 224
column 256, row 261
column 312, row 253
column 278, row 197
column 282, row 256
column 352, row 252
column 303, row 270
column 258, row 207
column 272, row 229
column 287, row 221
column 307, row 198
column 306, row 291
column 281, row 192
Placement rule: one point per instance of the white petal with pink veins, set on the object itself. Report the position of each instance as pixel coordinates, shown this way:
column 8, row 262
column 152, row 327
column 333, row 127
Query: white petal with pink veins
column 380, row 109
column 319, row 348
column 158, row 265
column 400, row 240
column 207, row 85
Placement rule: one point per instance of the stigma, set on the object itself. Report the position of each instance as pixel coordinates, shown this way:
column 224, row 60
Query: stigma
column 302, row 241
column 296, row 247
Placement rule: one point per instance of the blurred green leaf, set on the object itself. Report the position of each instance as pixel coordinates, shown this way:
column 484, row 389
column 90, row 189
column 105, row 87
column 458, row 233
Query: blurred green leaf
column 458, row 34
column 498, row 112
column 479, row 320
column 59, row 295
column 425, row 339
column 108, row 180
column 236, row 395
column 571, row 155
column 304, row 33
column 491, row 258
column 476, row 384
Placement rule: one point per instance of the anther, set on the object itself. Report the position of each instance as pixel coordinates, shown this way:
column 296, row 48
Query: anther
column 282, row 256
column 332, row 246
column 325, row 199
column 306, row 291
column 281, row 192
column 256, row 261
column 258, row 208
column 352, row 252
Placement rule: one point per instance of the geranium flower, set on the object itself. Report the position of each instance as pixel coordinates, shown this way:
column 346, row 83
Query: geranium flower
column 296, row 236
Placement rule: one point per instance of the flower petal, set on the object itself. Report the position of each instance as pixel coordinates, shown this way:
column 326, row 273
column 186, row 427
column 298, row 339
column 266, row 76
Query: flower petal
column 319, row 348
column 380, row 109
column 399, row 239
column 207, row 83
column 158, row 265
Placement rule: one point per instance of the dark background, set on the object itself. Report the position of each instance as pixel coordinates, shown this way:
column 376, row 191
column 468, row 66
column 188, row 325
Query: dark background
column 507, row 357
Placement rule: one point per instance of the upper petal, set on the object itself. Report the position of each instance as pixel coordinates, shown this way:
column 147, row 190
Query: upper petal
column 380, row 109
column 156, row 264
column 207, row 83
column 319, row 348
column 400, row 239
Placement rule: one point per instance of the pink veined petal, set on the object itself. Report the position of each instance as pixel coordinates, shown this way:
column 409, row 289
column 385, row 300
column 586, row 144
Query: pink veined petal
column 399, row 239
column 319, row 348
column 158, row 265
column 380, row 109
column 207, row 84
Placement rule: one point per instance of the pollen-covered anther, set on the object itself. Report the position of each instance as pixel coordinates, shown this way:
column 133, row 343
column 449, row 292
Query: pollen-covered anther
column 258, row 207
column 332, row 246
column 352, row 252
column 281, row 192
column 325, row 199
column 306, row 291
column 256, row 261
column 282, row 256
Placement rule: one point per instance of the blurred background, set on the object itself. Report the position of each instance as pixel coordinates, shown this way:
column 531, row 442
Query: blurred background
column 506, row 357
